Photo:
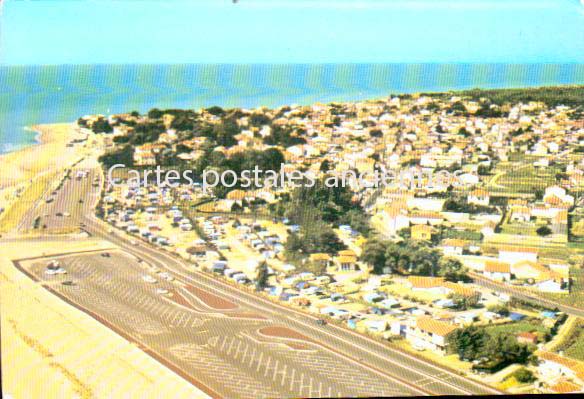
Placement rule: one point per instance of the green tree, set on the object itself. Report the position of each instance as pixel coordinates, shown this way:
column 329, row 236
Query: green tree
column 101, row 125
column 502, row 310
column 224, row 133
column 155, row 113
column 374, row 254
column 469, row 342
column 524, row 375
column 215, row 110
column 122, row 155
column 262, row 275
column 543, row 231
column 453, row 270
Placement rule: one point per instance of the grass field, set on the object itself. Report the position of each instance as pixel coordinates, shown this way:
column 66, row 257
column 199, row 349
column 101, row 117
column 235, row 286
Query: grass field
column 576, row 349
column 573, row 343
column 524, row 179
column 517, row 327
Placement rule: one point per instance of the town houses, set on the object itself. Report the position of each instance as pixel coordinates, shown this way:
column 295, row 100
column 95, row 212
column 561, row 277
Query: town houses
column 479, row 193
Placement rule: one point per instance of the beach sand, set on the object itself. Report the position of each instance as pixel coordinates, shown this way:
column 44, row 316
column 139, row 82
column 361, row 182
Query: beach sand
column 51, row 152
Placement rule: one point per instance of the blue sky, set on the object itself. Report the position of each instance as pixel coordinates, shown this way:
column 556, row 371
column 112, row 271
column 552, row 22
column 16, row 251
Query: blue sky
column 297, row 31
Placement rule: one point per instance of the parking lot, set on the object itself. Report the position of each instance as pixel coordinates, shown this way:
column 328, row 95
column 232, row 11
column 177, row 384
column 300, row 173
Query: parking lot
column 211, row 346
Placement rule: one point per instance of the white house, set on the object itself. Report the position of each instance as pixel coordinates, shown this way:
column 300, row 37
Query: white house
column 429, row 333
column 553, row 285
column 513, row 255
column 558, row 192
column 479, row 197
column 554, row 366
column 495, row 270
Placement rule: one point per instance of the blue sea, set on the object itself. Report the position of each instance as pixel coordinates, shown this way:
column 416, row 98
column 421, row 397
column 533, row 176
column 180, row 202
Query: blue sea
column 47, row 94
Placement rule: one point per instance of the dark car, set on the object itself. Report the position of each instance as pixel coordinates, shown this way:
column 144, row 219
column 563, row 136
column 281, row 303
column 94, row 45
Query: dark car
column 105, row 255
column 59, row 214
column 68, row 282
column 320, row 322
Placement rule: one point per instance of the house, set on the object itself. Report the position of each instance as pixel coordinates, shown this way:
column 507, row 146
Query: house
column 376, row 325
column 465, row 319
column 433, row 285
column 527, row 338
column 236, row 195
column 444, row 303
column 429, row 333
column 557, row 285
column 529, row 270
column 425, row 217
column 422, row 232
column 563, row 385
column 555, row 366
column 373, row 297
column 453, row 246
column 513, row 255
column 520, row 214
column 462, row 290
column 394, row 218
column 497, row 270
column 478, row 197
column 346, row 263
column 554, row 193
column 320, row 259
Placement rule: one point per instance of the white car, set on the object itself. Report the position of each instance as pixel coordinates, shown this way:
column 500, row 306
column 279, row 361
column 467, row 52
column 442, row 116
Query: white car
column 58, row 270
column 162, row 291
column 149, row 279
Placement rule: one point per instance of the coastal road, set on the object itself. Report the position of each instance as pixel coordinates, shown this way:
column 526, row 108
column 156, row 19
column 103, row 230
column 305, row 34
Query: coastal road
column 336, row 354
column 69, row 203
column 525, row 295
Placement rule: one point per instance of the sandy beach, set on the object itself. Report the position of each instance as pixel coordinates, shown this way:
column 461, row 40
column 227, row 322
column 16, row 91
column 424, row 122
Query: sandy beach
column 51, row 152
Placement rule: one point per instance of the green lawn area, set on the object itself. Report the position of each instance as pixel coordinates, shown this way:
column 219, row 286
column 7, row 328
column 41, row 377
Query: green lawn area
column 517, row 327
column 462, row 234
column 526, row 179
column 522, row 229
column 576, row 349
column 573, row 345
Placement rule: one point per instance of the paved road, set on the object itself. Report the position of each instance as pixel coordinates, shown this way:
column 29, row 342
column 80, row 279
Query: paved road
column 341, row 362
column 526, row 296
column 65, row 202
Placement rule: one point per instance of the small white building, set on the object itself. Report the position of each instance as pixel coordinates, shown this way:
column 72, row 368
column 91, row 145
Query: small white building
column 479, row 197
